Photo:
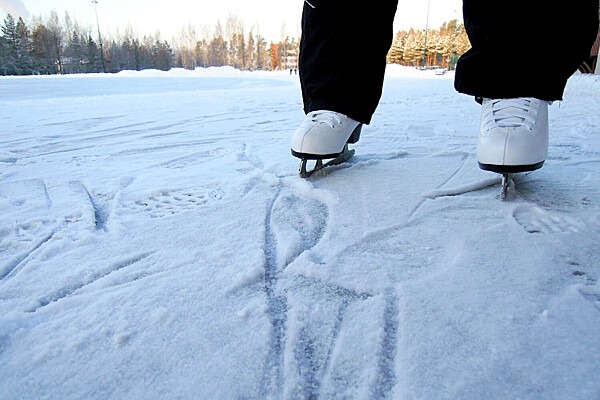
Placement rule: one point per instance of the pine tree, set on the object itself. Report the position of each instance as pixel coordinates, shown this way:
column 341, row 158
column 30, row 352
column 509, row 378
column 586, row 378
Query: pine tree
column 8, row 60
column 74, row 53
column 2, row 54
column 218, row 51
column 93, row 63
column 24, row 58
column 250, row 54
column 163, row 56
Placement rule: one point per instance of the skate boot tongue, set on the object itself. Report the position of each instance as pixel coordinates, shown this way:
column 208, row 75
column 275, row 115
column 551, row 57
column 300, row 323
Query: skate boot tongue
column 330, row 118
column 513, row 113
column 510, row 121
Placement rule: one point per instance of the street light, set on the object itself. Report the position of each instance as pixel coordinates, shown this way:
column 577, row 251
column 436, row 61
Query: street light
column 99, row 36
column 426, row 31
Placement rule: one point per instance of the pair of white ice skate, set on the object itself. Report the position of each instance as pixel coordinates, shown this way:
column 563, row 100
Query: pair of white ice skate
column 513, row 137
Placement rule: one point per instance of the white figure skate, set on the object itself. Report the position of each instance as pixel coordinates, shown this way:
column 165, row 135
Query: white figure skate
column 513, row 137
column 324, row 135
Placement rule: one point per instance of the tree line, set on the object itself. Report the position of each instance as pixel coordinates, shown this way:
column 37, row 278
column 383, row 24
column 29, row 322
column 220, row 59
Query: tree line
column 62, row 46
column 436, row 47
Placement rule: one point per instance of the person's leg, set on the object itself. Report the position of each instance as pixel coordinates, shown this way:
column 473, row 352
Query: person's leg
column 343, row 52
column 523, row 52
column 342, row 63
column 524, row 48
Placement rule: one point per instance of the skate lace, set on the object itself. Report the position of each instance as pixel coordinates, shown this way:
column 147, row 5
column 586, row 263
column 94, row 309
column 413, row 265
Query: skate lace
column 330, row 118
column 511, row 113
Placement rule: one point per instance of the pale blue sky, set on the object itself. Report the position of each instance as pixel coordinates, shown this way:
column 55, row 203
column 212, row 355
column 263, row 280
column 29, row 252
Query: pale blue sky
column 169, row 16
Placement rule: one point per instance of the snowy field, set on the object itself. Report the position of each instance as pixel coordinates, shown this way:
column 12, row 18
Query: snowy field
column 156, row 242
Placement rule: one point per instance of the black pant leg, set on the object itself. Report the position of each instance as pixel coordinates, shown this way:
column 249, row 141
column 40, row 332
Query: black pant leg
column 343, row 52
column 524, row 48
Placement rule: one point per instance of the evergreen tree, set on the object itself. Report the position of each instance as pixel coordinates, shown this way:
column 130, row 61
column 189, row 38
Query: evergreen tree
column 8, row 53
column 163, row 56
column 2, row 54
column 23, row 49
column 218, row 50
column 93, row 63
column 250, row 52
column 73, row 53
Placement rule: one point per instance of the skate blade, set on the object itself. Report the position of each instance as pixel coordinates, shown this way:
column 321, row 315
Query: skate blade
column 506, row 179
column 319, row 164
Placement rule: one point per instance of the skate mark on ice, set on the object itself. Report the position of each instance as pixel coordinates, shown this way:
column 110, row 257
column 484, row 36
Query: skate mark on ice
column 271, row 385
column 534, row 219
column 6, row 159
column 364, row 356
column 74, row 205
column 166, row 202
column 439, row 192
column 194, row 158
column 317, row 372
column 463, row 189
column 18, row 262
column 29, row 193
column 292, row 225
column 80, row 124
column 101, row 210
column 89, row 280
column 592, row 295
column 254, row 162
column 307, row 363
column 443, row 191
column 152, row 149
column 25, row 222
column 322, row 310
column 103, row 203
column 298, row 225
column 564, row 151
column 386, row 377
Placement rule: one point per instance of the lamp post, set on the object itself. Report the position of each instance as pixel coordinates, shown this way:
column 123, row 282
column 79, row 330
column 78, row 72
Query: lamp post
column 99, row 36
column 426, row 31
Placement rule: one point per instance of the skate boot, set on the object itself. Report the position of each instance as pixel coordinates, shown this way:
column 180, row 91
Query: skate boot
column 324, row 135
column 513, row 136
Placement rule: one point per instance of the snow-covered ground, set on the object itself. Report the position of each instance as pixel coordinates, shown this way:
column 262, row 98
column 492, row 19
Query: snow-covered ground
column 157, row 243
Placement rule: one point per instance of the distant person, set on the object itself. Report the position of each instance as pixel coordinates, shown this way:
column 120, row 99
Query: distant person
column 522, row 54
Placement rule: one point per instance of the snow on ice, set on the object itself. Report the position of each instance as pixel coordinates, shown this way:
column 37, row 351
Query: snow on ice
column 157, row 242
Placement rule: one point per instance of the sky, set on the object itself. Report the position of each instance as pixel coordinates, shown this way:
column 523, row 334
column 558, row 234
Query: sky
column 274, row 18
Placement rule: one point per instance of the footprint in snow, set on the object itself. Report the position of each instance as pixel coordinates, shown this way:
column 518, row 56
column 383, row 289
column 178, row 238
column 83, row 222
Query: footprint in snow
column 165, row 202
column 536, row 220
